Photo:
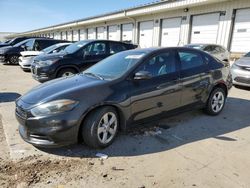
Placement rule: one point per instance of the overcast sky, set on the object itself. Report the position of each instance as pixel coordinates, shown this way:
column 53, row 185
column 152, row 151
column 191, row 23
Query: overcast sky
column 24, row 15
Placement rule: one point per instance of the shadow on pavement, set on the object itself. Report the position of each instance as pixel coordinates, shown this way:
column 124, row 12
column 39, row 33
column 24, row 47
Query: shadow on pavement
column 182, row 129
column 8, row 97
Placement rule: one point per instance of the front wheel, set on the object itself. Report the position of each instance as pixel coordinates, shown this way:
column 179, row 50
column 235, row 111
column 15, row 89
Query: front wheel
column 13, row 60
column 101, row 127
column 66, row 72
column 216, row 102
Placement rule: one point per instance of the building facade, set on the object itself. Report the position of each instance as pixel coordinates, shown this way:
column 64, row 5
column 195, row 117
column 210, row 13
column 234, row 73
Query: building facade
column 165, row 23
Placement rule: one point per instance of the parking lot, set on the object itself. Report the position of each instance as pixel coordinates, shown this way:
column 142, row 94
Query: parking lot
column 188, row 150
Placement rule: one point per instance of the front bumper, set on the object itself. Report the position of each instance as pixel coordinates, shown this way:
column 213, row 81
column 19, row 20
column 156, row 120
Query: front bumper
column 42, row 74
column 241, row 76
column 25, row 63
column 52, row 131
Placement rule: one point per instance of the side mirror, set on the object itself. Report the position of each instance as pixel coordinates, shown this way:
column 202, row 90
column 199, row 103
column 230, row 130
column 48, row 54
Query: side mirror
column 142, row 75
column 23, row 46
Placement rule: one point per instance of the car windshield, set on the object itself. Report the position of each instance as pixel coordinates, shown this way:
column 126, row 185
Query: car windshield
column 247, row 55
column 20, row 43
column 51, row 48
column 75, row 47
column 115, row 66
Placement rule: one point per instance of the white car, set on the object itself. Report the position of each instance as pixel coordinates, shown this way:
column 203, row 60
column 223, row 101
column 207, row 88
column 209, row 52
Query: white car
column 27, row 57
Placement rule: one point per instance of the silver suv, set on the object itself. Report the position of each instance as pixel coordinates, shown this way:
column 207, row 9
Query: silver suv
column 218, row 51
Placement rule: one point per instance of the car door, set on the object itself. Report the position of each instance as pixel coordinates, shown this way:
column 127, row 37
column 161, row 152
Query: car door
column 192, row 75
column 95, row 52
column 160, row 93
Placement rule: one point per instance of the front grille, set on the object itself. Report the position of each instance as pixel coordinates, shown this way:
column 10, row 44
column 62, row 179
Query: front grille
column 242, row 80
column 21, row 113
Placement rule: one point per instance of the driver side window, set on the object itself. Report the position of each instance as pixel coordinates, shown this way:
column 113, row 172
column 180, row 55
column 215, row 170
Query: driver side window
column 161, row 64
column 97, row 48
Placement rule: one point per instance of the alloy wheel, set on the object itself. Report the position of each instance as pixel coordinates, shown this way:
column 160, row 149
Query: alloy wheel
column 217, row 101
column 107, row 128
column 67, row 74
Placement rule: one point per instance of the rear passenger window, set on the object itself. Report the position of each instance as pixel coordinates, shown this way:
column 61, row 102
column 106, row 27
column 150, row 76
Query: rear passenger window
column 190, row 60
column 116, row 47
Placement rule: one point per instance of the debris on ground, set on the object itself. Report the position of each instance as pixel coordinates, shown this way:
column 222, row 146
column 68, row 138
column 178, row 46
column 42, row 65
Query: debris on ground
column 101, row 156
column 117, row 169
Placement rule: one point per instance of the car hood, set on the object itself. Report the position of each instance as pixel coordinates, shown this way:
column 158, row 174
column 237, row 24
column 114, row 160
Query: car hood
column 62, row 88
column 9, row 49
column 31, row 53
column 3, row 45
column 45, row 57
column 243, row 62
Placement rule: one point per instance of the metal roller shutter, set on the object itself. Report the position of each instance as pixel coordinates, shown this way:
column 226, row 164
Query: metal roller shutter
column 205, row 28
column 146, row 34
column 91, row 33
column 127, row 32
column 113, row 32
column 241, row 32
column 171, row 30
column 101, row 33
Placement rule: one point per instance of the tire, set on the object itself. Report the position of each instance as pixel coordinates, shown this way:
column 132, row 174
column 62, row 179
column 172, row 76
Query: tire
column 13, row 60
column 66, row 72
column 95, row 122
column 216, row 102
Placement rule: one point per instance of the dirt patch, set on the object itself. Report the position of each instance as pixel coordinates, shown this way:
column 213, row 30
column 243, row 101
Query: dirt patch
column 33, row 170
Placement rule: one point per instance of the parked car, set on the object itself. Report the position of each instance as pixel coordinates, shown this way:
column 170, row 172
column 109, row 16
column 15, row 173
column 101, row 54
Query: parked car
column 128, row 88
column 75, row 58
column 241, row 71
column 14, row 41
column 216, row 50
column 27, row 57
column 11, row 54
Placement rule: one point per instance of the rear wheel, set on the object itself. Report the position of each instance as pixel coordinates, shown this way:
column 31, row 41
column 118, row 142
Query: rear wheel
column 13, row 60
column 101, row 127
column 216, row 101
column 66, row 72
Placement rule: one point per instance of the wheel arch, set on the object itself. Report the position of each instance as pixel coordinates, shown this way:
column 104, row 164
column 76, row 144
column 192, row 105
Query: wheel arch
column 122, row 121
column 66, row 67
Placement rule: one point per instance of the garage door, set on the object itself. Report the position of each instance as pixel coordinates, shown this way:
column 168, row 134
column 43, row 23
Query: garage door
column 113, row 32
column 146, row 34
column 101, row 33
column 69, row 35
column 205, row 28
column 171, row 30
column 75, row 35
column 83, row 34
column 57, row 35
column 64, row 35
column 127, row 32
column 241, row 32
column 91, row 33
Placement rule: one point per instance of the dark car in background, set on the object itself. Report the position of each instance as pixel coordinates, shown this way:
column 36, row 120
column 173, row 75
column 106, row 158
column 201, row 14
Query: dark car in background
column 75, row 58
column 216, row 50
column 14, row 41
column 11, row 54
column 128, row 88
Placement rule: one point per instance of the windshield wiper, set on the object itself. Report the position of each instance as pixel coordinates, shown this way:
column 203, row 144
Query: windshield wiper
column 94, row 75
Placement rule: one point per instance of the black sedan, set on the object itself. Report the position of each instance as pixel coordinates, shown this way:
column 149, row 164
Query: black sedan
column 128, row 88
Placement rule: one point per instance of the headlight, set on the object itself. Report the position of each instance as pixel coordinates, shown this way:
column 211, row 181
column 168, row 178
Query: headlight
column 46, row 63
column 54, row 107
